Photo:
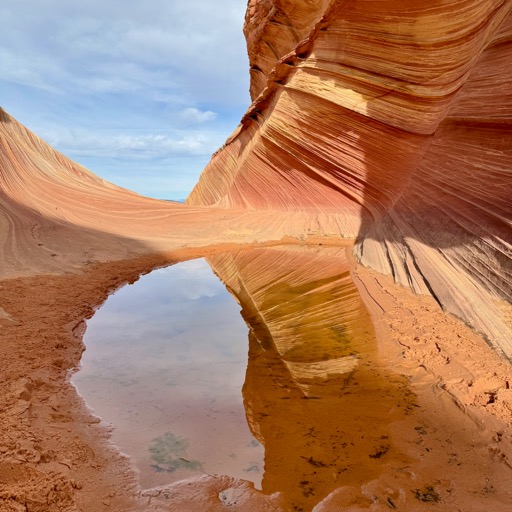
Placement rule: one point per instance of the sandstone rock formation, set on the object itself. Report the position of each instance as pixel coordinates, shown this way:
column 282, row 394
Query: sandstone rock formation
column 381, row 121
column 56, row 216
column 397, row 115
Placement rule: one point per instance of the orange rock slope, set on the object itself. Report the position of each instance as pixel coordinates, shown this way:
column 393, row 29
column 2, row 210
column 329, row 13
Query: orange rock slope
column 399, row 116
column 56, row 216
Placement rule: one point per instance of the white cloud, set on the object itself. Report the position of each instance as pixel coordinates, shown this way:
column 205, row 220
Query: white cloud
column 23, row 73
column 192, row 280
column 125, row 79
column 129, row 46
column 141, row 146
column 192, row 115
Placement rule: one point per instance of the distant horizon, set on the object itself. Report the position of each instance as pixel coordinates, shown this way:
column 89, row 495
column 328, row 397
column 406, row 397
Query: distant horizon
column 141, row 97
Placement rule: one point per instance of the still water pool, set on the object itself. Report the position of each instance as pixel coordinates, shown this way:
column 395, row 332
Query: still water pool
column 165, row 362
column 167, row 365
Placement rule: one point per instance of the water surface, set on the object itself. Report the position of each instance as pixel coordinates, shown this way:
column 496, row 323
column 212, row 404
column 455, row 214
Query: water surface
column 316, row 394
column 165, row 362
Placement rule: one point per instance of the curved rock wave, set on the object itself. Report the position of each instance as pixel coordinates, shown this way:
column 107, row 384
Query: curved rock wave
column 399, row 118
column 56, row 216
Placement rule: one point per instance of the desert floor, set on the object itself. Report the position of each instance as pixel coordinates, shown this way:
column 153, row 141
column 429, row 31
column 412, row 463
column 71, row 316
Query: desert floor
column 55, row 455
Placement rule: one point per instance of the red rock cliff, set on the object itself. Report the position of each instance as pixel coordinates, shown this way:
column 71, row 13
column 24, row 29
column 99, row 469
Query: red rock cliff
column 398, row 115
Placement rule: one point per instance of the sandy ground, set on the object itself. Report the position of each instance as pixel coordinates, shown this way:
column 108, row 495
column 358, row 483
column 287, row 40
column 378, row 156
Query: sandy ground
column 55, row 456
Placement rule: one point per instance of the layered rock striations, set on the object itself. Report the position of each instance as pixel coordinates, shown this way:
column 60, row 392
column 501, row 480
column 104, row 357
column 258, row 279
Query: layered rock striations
column 56, row 216
column 398, row 116
column 381, row 121
column 387, row 122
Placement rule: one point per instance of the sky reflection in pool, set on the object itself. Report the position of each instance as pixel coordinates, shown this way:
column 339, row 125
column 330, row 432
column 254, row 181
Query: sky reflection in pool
column 165, row 364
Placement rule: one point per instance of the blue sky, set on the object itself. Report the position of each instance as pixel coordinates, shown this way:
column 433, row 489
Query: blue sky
column 141, row 92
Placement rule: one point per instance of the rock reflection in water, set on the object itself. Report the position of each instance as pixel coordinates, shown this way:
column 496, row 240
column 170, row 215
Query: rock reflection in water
column 314, row 394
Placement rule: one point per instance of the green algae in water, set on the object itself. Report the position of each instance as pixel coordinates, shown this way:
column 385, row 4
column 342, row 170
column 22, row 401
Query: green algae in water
column 169, row 454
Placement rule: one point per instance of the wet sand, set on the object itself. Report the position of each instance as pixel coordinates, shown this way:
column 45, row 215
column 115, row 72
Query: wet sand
column 449, row 441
